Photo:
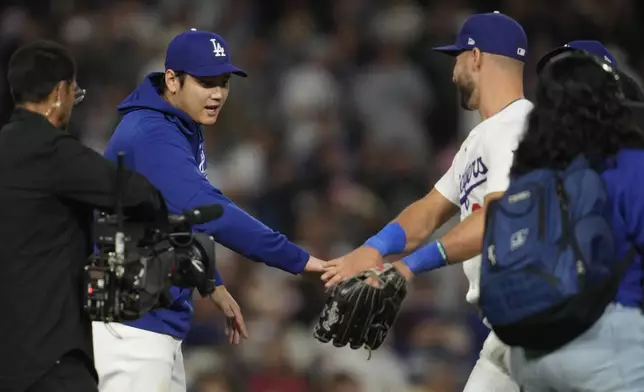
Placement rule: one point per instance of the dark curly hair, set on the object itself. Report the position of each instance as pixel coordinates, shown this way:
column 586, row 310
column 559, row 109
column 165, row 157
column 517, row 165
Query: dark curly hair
column 634, row 98
column 579, row 110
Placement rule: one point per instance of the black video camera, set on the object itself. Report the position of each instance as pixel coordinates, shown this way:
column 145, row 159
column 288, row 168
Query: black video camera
column 134, row 264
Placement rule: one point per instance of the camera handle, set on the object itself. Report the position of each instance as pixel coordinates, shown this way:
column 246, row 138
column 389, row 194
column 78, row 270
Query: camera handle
column 118, row 261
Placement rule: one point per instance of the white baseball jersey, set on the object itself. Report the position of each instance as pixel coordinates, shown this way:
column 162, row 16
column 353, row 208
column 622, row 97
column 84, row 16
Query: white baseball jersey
column 481, row 166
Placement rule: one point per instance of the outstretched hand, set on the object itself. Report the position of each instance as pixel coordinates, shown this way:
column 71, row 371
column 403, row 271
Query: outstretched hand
column 235, row 325
column 314, row 265
column 342, row 268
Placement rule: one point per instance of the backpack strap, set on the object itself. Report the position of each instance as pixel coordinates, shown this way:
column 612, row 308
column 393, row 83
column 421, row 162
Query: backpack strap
column 567, row 230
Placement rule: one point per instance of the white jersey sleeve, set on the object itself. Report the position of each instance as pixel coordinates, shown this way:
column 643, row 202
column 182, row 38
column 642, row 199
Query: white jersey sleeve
column 448, row 187
column 500, row 144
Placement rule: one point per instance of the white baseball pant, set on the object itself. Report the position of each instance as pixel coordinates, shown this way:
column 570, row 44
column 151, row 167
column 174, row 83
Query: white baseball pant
column 491, row 372
column 129, row 359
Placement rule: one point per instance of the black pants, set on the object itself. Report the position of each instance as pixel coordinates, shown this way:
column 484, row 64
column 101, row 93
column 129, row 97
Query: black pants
column 70, row 374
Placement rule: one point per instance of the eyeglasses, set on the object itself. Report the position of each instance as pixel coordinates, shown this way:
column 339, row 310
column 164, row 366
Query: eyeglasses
column 79, row 95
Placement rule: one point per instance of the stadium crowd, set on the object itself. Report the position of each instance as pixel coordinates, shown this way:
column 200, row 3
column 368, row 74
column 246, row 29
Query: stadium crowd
column 346, row 118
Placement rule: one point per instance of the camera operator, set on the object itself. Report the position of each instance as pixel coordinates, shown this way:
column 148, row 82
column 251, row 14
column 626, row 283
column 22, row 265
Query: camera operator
column 50, row 185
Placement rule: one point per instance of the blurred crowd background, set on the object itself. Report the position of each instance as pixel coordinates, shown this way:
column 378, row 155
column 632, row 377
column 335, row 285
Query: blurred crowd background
column 346, row 118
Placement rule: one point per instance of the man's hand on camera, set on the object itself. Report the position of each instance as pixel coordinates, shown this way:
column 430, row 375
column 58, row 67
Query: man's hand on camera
column 235, row 326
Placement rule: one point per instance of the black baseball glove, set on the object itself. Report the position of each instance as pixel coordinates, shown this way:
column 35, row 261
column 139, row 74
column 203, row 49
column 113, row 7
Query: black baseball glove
column 361, row 313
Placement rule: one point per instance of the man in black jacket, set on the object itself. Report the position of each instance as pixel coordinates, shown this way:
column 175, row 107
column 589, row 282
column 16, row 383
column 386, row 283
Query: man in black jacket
column 50, row 185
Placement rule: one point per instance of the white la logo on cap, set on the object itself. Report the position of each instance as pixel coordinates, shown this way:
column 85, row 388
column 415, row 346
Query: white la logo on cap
column 521, row 52
column 218, row 50
column 470, row 41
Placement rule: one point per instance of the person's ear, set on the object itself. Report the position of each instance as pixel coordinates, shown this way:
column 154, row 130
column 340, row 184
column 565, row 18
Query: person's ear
column 172, row 82
column 58, row 93
column 477, row 59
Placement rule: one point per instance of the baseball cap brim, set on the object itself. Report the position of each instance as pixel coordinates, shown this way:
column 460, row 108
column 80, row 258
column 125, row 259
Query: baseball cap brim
column 216, row 70
column 548, row 56
column 451, row 50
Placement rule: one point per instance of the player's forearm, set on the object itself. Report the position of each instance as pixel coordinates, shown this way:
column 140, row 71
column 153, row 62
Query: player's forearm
column 242, row 233
column 414, row 225
column 419, row 222
column 461, row 243
column 465, row 240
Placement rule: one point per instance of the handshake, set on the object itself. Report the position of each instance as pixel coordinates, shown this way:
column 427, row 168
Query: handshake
column 364, row 298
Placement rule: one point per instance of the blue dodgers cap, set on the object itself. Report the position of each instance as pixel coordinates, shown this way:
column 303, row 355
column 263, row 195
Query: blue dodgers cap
column 595, row 48
column 493, row 33
column 200, row 53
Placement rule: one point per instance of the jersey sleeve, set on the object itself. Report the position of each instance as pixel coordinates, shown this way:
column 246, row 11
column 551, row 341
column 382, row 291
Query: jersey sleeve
column 448, row 187
column 500, row 144
column 633, row 207
column 166, row 160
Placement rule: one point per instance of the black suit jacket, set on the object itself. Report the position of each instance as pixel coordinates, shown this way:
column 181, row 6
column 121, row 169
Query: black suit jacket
column 50, row 185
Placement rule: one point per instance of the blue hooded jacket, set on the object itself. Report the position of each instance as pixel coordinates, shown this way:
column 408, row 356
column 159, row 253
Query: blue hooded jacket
column 624, row 180
column 166, row 146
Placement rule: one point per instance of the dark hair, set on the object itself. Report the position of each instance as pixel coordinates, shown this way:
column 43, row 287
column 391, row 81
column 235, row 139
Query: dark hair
column 36, row 68
column 634, row 99
column 579, row 110
column 632, row 89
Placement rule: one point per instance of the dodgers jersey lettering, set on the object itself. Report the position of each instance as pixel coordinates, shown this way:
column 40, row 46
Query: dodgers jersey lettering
column 481, row 166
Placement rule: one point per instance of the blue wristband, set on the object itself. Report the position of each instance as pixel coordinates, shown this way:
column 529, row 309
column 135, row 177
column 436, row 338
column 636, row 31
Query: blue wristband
column 427, row 258
column 390, row 240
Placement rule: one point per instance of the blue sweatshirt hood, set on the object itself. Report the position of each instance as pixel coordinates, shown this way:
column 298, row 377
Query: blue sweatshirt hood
column 147, row 96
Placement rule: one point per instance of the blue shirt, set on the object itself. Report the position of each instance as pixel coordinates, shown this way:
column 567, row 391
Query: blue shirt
column 624, row 180
column 166, row 146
